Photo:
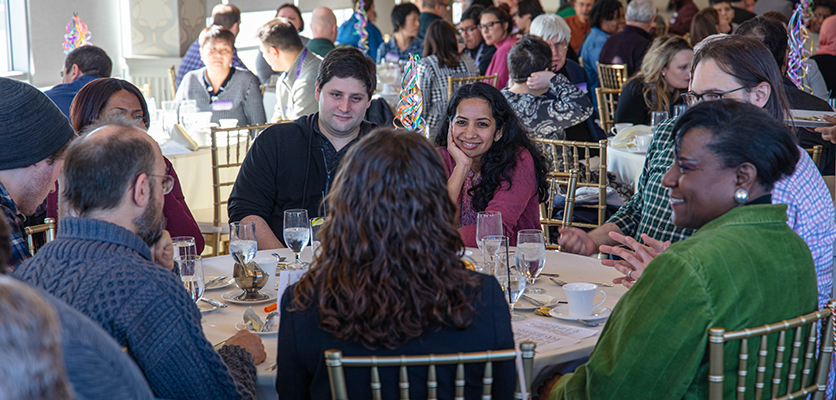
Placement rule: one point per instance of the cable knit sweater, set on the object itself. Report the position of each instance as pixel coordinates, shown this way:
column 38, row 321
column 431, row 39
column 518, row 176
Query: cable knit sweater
column 106, row 272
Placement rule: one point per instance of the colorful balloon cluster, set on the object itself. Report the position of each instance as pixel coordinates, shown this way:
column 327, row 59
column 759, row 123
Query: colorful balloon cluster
column 411, row 103
column 360, row 26
column 77, row 34
column 798, row 52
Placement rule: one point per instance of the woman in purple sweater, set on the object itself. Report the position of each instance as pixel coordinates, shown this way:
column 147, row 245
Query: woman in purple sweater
column 491, row 163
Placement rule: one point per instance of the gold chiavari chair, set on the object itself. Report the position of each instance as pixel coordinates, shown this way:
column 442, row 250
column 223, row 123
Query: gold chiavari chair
column 48, row 227
column 815, row 153
column 662, row 29
column 547, row 208
column 335, row 363
column 796, row 387
column 611, row 76
column 607, row 101
column 451, row 82
column 172, row 80
column 573, row 155
column 229, row 147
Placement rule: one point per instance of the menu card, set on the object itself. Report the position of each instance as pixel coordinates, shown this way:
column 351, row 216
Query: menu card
column 549, row 336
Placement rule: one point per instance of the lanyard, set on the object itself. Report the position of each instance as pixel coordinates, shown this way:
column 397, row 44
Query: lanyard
column 301, row 60
column 479, row 53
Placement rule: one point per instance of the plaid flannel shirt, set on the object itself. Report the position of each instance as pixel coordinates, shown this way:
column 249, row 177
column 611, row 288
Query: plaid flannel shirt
column 15, row 219
column 810, row 211
column 191, row 61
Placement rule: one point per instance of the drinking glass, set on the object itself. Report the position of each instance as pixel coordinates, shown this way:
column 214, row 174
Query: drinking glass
column 531, row 256
column 656, row 118
column 316, row 223
column 499, row 247
column 184, row 246
column 187, row 107
column 513, row 284
column 191, row 273
column 242, row 241
column 488, row 223
column 297, row 233
column 679, row 109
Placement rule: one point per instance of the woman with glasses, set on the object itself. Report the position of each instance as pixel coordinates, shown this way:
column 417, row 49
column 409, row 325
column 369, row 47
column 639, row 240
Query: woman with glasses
column 659, row 85
column 724, row 67
column 405, row 20
column 441, row 60
column 110, row 96
column 229, row 93
column 474, row 45
column 496, row 25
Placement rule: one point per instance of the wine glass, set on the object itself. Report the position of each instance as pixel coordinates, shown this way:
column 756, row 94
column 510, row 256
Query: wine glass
column 191, row 274
column 242, row 241
column 531, row 256
column 488, row 223
column 679, row 109
column 297, row 233
column 656, row 118
column 513, row 284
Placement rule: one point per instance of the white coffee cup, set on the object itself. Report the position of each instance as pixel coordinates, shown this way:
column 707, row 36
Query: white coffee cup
column 643, row 141
column 579, row 296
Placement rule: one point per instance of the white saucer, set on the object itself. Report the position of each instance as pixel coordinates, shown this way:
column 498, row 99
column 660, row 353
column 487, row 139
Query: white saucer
column 205, row 307
column 562, row 312
column 523, row 305
column 231, row 297
column 273, row 329
column 220, row 284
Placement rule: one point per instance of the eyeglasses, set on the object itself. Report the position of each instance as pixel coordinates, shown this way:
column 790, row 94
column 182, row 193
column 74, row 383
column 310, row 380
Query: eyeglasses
column 469, row 29
column 488, row 25
column 221, row 51
column 167, row 181
column 692, row 98
column 559, row 45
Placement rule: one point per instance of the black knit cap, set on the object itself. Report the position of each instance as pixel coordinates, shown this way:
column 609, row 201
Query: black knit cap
column 32, row 128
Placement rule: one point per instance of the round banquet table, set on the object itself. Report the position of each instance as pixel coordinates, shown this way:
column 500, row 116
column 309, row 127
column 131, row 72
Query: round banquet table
column 626, row 165
column 219, row 324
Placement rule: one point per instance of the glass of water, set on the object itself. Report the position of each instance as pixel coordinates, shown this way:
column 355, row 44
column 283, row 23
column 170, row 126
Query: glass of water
column 242, row 241
column 488, row 223
column 316, row 223
column 297, row 233
column 184, row 246
column 656, row 118
column 513, row 284
column 191, row 274
column 531, row 256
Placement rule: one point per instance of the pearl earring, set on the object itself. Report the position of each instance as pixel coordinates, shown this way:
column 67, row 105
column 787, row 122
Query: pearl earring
column 741, row 196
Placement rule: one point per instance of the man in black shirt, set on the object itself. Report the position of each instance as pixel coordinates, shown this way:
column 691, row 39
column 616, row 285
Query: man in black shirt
column 292, row 165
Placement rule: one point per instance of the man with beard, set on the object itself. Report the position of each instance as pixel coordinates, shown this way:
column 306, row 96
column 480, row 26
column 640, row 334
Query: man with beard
column 101, row 265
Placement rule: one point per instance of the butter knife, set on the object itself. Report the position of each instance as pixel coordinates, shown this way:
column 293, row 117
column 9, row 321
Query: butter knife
column 213, row 302
column 215, row 280
column 268, row 322
column 559, row 282
column 532, row 300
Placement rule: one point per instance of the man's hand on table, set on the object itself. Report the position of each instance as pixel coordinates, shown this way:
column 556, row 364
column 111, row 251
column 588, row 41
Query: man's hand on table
column 267, row 240
column 633, row 262
column 576, row 241
column 250, row 342
column 828, row 132
column 162, row 252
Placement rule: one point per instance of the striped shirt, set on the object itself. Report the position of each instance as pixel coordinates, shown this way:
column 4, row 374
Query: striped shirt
column 15, row 219
column 810, row 211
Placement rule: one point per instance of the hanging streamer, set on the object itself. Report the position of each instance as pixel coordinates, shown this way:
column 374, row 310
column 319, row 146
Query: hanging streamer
column 411, row 103
column 360, row 26
column 799, row 54
column 77, row 34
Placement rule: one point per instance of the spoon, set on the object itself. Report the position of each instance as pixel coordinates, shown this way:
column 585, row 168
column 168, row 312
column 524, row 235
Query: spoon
column 278, row 257
column 590, row 324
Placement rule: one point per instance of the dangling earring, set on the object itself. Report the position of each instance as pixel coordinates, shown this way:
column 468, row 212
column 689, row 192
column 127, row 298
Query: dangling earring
column 741, row 196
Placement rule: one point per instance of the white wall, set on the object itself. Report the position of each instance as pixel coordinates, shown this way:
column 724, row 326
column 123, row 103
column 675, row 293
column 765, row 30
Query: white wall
column 47, row 26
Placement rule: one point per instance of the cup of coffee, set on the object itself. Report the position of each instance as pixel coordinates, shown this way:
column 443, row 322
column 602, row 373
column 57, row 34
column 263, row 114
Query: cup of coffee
column 580, row 296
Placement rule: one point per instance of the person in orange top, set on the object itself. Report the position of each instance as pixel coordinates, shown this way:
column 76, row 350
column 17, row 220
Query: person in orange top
column 579, row 23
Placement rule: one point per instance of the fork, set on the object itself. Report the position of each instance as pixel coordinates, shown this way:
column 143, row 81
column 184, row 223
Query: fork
column 532, row 300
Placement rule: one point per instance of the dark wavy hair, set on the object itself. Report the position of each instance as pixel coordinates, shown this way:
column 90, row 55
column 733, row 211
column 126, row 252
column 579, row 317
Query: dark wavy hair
column 501, row 159
column 742, row 133
column 93, row 97
column 440, row 41
column 389, row 268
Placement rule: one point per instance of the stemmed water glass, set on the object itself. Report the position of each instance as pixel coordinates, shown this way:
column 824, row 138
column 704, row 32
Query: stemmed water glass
column 656, row 118
column 184, row 246
column 297, row 233
column 513, row 284
column 191, row 274
column 488, row 223
column 531, row 256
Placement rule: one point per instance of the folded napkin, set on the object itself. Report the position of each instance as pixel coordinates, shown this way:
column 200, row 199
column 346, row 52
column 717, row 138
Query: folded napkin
column 626, row 136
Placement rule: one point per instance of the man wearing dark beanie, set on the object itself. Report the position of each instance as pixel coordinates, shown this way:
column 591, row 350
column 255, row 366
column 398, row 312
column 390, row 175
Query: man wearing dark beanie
column 33, row 136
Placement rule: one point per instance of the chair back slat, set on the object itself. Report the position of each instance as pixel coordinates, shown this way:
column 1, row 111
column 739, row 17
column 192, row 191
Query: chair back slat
column 47, row 228
column 815, row 153
column 237, row 141
column 487, row 381
column 611, row 76
column 607, row 102
column 451, row 82
column 335, row 363
column 796, row 387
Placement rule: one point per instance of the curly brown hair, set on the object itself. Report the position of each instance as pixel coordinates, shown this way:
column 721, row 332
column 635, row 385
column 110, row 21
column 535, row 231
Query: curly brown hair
column 388, row 267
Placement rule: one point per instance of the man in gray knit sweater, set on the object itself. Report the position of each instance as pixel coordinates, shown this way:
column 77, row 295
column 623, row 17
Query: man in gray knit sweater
column 101, row 265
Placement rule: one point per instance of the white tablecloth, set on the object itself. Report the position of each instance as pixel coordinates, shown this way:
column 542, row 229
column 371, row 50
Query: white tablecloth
column 220, row 324
column 626, row 165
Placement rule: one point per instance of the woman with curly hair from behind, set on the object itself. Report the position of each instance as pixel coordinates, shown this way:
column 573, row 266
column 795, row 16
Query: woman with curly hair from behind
column 388, row 280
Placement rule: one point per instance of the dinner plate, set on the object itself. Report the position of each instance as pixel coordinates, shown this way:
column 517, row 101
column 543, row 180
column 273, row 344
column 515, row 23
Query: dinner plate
column 232, row 297
column 205, row 307
column 562, row 312
column 524, row 305
column 219, row 284
column 273, row 329
column 809, row 118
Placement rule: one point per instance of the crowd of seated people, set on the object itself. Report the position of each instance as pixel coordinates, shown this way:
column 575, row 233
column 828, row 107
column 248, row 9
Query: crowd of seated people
column 727, row 197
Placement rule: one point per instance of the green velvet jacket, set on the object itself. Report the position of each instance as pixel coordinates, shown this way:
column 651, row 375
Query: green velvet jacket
column 744, row 269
